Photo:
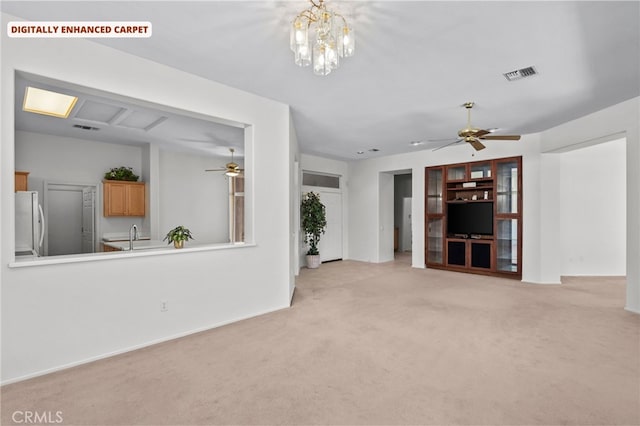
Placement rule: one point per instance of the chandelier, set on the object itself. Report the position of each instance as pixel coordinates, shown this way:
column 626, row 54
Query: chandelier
column 322, row 36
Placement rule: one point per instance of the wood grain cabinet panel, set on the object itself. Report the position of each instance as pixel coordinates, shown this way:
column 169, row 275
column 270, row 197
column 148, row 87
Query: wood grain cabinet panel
column 21, row 181
column 123, row 198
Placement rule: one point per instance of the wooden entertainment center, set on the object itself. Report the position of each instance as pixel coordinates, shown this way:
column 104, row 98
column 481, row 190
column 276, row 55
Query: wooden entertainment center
column 473, row 217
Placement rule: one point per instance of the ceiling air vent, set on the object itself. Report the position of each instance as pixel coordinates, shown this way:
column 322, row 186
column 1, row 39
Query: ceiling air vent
column 520, row 74
column 80, row 126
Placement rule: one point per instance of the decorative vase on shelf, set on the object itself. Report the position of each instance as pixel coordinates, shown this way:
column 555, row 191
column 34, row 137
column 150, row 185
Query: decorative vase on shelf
column 178, row 244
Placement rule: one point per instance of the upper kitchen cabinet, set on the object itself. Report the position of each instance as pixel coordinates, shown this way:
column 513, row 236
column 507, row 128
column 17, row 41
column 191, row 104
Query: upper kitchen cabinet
column 21, row 181
column 122, row 198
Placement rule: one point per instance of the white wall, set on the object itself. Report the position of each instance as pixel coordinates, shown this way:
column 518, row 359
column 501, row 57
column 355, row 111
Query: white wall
column 592, row 209
column 609, row 124
column 61, row 315
column 191, row 197
column 82, row 161
column 295, row 177
column 385, row 217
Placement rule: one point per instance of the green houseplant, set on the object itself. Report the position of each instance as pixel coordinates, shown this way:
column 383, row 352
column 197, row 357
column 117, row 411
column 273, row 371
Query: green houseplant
column 314, row 221
column 121, row 173
column 178, row 236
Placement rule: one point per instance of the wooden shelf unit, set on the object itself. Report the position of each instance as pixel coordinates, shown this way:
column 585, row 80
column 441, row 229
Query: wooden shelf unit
column 496, row 181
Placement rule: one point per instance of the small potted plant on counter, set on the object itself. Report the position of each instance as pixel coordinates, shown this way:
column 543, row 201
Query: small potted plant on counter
column 178, row 236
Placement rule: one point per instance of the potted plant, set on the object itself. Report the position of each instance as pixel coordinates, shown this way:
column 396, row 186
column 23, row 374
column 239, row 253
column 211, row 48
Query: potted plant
column 121, row 173
column 314, row 221
column 178, row 236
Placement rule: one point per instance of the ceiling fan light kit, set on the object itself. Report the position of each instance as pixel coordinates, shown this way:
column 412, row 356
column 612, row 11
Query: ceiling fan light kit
column 321, row 36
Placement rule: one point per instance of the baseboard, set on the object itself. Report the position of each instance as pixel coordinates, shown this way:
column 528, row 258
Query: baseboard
column 134, row 348
column 541, row 282
column 633, row 311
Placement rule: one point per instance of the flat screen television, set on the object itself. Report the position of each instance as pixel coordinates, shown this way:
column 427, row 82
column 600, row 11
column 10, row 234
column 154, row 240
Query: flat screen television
column 470, row 218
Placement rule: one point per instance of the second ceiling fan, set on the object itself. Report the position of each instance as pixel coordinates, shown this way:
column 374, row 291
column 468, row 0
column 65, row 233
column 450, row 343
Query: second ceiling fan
column 230, row 169
column 473, row 135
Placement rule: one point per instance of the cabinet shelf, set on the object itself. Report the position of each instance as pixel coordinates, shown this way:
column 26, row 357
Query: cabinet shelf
column 472, row 188
column 469, row 201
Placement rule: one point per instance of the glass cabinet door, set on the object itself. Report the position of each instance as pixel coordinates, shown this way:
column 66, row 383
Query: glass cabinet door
column 435, row 215
column 457, row 173
column 435, row 240
column 508, row 215
column 434, row 191
column 507, row 245
column 480, row 170
column 507, row 187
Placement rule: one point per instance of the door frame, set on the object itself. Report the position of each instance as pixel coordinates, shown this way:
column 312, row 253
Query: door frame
column 308, row 188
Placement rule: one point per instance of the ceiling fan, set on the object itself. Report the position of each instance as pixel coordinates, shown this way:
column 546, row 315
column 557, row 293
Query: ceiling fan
column 473, row 135
column 230, row 169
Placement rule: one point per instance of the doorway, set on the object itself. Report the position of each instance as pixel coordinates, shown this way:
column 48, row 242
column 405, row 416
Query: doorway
column 70, row 214
column 402, row 202
column 329, row 190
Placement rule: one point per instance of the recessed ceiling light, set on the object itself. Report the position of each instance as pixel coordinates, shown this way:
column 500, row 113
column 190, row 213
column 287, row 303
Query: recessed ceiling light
column 416, row 143
column 46, row 102
column 360, row 152
column 374, row 150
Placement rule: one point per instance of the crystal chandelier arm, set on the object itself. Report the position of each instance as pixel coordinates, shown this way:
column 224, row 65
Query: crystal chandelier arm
column 309, row 15
column 344, row 21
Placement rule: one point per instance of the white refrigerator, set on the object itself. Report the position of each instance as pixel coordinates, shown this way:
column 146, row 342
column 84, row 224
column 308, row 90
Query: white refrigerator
column 30, row 226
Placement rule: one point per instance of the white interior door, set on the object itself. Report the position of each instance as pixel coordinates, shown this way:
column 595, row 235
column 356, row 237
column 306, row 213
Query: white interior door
column 88, row 220
column 70, row 210
column 65, row 221
column 331, row 241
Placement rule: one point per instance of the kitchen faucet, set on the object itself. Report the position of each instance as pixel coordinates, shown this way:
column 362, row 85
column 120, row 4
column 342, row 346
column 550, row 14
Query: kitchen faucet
column 132, row 235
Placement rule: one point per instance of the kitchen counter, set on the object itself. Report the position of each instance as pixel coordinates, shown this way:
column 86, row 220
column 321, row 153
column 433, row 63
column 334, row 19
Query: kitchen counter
column 121, row 237
column 137, row 245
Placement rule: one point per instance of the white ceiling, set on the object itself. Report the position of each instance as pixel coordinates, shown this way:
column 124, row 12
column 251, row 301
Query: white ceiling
column 416, row 62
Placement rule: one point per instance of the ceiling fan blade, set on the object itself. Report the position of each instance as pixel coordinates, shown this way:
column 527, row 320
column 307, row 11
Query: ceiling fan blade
column 501, row 137
column 481, row 132
column 477, row 144
column 439, row 140
column 216, row 170
column 446, row 145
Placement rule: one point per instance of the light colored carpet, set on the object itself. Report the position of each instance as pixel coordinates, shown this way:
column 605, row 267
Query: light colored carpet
column 377, row 344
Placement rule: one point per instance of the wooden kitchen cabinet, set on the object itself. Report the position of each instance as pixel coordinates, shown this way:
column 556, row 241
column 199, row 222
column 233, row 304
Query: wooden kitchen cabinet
column 122, row 198
column 21, row 181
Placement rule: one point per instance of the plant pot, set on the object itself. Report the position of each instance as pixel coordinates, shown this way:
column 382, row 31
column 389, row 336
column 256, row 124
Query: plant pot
column 178, row 244
column 313, row 261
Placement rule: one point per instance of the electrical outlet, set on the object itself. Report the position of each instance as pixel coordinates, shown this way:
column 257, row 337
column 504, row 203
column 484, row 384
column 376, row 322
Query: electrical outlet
column 164, row 306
